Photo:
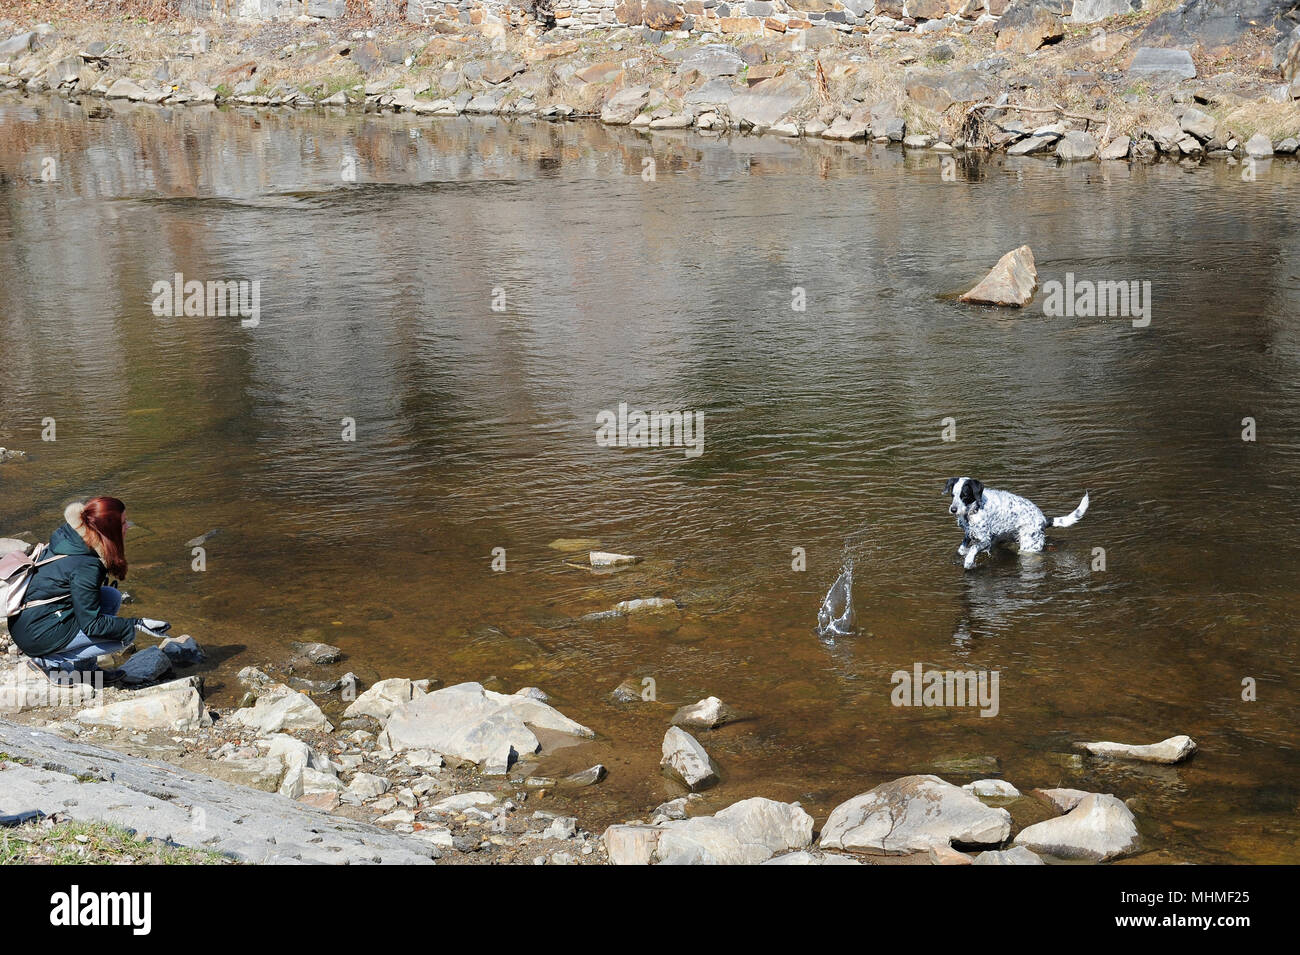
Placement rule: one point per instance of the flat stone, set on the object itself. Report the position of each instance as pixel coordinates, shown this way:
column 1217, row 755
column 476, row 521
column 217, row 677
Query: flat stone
column 1094, row 11
column 1011, row 282
column 768, row 102
column 180, row 709
column 621, row 108
column 716, row 59
column 160, row 801
column 1163, row 63
column 1100, row 827
column 913, row 814
column 478, row 725
column 1172, row 750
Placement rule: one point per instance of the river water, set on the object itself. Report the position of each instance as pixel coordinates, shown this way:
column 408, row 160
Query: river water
column 474, row 293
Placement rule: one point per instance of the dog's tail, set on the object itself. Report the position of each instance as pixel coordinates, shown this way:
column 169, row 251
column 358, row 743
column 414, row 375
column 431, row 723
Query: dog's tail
column 1069, row 520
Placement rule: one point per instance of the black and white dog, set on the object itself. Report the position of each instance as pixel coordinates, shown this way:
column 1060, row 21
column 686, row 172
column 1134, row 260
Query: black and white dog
column 989, row 517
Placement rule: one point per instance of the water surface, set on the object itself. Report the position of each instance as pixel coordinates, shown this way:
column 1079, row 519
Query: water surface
column 475, row 430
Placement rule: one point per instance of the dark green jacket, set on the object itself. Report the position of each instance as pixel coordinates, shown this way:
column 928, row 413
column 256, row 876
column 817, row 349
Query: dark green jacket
column 49, row 628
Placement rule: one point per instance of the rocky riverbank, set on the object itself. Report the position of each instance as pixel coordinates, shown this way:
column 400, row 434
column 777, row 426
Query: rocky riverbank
column 406, row 771
column 1083, row 80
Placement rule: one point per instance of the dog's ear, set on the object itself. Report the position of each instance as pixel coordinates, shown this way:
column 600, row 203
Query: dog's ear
column 947, row 488
column 976, row 488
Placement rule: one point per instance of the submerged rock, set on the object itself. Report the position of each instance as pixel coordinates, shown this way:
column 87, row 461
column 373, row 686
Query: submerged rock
column 707, row 714
column 1100, row 827
column 748, row 832
column 993, row 789
column 1011, row 283
column 685, row 760
column 1062, row 800
column 599, row 558
column 1016, row 855
column 321, row 653
column 913, row 814
column 1167, row 751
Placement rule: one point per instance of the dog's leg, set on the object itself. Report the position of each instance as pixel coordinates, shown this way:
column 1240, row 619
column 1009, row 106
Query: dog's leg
column 964, row 545
column 1032, row 540
column 971, row 553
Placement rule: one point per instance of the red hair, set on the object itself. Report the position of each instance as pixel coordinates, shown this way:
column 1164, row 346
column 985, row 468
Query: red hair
column 105, row 519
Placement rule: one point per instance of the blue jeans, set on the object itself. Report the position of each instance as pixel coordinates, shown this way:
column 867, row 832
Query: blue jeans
column 81, row 653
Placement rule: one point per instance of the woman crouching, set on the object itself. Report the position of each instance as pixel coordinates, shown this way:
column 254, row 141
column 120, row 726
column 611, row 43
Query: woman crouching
column 70, row 614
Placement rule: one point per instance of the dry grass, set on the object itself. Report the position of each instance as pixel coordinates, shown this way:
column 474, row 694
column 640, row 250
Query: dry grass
column 83, row 843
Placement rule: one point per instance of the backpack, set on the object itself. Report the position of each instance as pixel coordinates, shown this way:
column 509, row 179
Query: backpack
column 16, row 573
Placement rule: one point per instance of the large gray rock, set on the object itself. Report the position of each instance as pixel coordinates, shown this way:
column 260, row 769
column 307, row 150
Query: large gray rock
column 1259, row 146
column 1172, row 750
column 382, row 698
column 1026, row 26
column 147, row 666
column 281, row 708
column 914, row 814
column 937, row 90
column 474, row 724
column 17, row 45
column 748, row 832
column 1157, row 63
column 176, row 707
column 1201, row 125
column 624, row 106
column 1100, row 827
column 1216, row 23
column 1094, row 11
column 716, row 59
column 125, row 89
column 1011, row 282
column 767, row 103
column 685, row 760
column 1075, row 146
column 165, row 802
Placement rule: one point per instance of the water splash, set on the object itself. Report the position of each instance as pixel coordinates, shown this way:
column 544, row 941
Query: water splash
column 836, row 617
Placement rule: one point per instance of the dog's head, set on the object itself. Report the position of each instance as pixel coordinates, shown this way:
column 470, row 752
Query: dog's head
column 965, row 493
